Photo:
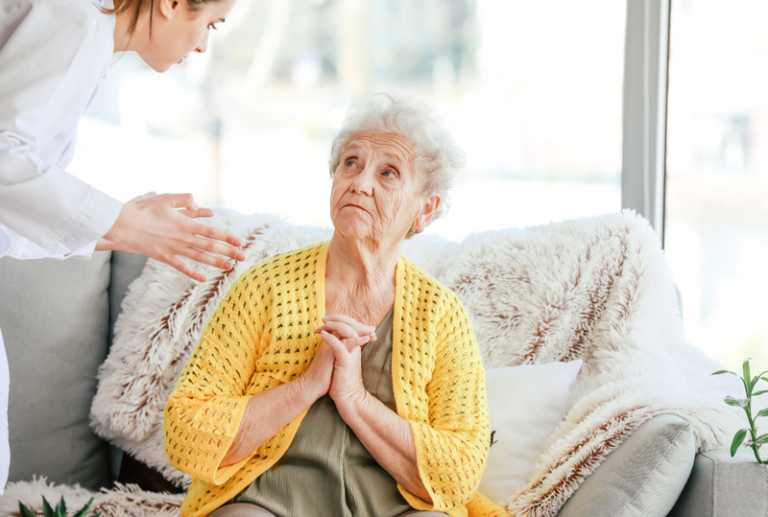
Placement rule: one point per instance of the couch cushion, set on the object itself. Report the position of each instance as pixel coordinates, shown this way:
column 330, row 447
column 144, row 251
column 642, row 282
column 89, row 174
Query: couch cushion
column 720, row 485
column 55, row 322
column 643, row 477
column 126, row 267
column 521, row 425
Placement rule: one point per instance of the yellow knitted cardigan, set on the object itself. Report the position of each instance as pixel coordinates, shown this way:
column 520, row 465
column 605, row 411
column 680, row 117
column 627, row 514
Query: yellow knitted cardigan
column 263, row 335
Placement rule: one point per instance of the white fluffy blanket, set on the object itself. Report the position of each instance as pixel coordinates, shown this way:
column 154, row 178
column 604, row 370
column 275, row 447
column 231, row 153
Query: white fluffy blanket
column 597, row 289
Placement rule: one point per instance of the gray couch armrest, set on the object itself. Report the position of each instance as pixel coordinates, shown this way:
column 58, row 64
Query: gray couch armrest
column 125, row 268
column 643, row 477
column 722, row 486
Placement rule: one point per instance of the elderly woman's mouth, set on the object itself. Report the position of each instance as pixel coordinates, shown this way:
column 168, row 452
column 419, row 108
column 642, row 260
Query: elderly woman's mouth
column 356, row 206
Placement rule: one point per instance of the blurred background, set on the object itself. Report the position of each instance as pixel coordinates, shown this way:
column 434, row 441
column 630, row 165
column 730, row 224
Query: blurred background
column 532, row 92
column 716, row 223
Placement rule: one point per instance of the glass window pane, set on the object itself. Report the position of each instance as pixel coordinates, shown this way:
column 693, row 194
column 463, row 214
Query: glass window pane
column 532, row 91
column 717, row 184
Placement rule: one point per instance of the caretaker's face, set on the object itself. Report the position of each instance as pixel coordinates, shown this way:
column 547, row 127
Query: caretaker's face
column 377, row 193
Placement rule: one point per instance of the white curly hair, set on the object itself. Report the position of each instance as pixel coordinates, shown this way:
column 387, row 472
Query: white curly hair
column 437, row 156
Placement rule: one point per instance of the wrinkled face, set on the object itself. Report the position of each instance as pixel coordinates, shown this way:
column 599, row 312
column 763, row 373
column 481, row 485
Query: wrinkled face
column 178, row 31
column 377, row 193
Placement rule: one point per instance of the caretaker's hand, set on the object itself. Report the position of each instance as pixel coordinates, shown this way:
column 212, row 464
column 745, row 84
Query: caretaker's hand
column 107, row 245
column 153, row 226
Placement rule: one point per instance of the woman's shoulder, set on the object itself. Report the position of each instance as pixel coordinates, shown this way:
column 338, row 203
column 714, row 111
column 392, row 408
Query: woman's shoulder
column 296, row 262
column 81, row 13
column 69, row 26
column 431, row 289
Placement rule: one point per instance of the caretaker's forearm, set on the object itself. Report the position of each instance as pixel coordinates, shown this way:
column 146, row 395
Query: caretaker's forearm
column 389, row 439
column 267, row 413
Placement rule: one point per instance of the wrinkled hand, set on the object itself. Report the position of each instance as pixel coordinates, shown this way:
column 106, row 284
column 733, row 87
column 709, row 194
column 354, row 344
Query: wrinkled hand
column 317, row 378
column 152, row 225
column 346, row 337
column 349, row 331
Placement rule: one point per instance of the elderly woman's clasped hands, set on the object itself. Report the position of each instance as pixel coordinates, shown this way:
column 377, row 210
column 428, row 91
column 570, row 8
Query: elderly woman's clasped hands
column 338, row 362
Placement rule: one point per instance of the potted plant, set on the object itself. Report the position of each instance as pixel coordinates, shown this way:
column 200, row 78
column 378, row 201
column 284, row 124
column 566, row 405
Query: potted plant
column 754, row 441
column 60, row 511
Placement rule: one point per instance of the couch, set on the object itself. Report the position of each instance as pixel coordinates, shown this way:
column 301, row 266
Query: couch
column 56, row 319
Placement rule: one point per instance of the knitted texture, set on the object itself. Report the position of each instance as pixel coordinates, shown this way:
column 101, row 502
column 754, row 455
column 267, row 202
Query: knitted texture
column 263, row 335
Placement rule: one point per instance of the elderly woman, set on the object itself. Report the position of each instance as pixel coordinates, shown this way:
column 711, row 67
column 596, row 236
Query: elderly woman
column 340, row 379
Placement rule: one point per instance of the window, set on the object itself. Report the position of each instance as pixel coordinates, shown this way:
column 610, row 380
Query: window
column 717, row 182
column 532, row 91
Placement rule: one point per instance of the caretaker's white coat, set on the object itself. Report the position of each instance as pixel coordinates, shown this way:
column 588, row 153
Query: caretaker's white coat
column 53, row 54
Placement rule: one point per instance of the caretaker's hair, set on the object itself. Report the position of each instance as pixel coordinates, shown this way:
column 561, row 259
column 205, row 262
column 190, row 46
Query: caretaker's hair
column 436, row 154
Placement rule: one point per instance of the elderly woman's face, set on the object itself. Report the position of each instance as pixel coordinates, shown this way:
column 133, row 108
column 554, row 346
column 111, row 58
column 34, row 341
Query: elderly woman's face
column 377, row 192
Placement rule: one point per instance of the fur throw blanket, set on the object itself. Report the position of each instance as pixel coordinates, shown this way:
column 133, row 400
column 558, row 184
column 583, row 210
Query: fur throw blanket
column 123, row 501
column 596, row 289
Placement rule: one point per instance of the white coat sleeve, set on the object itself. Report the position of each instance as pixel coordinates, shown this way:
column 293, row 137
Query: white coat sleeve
column 15, row 246
column 51, row 60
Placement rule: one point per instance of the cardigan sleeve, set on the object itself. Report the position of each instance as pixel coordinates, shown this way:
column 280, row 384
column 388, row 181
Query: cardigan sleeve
column 452, row 449
column 204, row 412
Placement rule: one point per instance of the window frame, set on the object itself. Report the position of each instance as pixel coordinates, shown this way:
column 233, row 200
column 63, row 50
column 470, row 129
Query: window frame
column 646, row 72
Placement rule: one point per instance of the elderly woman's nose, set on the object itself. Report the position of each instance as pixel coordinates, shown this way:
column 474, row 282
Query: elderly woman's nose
column 363, row 182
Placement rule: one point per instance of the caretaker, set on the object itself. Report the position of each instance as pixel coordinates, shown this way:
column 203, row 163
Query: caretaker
column 340, row 379
column 53, row 53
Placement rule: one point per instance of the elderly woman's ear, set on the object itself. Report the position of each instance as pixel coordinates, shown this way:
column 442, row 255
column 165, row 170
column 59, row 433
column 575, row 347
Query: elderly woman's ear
column 426, row 213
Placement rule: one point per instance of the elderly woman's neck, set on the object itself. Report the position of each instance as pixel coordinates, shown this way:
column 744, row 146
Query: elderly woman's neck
column 362, row 264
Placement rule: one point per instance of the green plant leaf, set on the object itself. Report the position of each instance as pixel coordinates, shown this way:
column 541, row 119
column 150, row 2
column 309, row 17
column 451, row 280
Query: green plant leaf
column 47, row 510
column 720, row 372
column 762, row 439
column 26, row 512
column 746, row 369
column 763, row 412
column 84, row 511
column 759, row 393
column 742, row 403
column 738, row 439
column 61, row 509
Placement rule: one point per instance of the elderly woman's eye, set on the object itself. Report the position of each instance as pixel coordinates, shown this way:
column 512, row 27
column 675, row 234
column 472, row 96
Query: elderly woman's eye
column 350, row 163
column 389, row 174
